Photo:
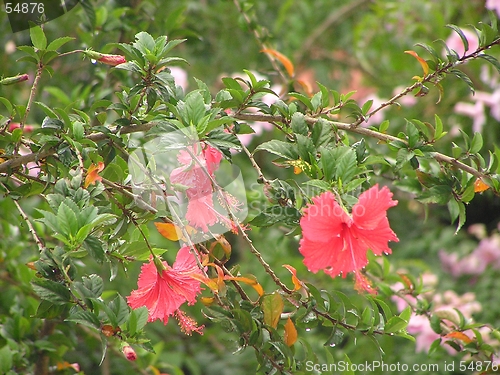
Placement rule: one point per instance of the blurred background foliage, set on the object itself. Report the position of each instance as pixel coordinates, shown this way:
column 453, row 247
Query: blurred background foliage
column 346, row 45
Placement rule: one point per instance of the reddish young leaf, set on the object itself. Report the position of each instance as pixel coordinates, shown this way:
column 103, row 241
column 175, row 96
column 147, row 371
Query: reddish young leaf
column 422, row 62
column 297, row 284
column 282, row 59
column 480, row 186
column 93, row 174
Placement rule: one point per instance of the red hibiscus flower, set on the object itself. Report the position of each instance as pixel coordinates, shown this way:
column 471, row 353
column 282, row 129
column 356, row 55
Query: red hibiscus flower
column 164, row 292
column 337, row 242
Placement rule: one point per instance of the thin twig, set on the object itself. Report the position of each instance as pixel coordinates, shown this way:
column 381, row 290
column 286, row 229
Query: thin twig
column 36, row 237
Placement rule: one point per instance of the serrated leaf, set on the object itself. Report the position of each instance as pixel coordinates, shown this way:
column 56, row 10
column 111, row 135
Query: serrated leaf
column 51, row 291
column 120, row 309
column 283, row 149
column 86, row 318
column 137, row 320
column 59, row 42
column 38, row 38
column 298, row 124
column 67, row 221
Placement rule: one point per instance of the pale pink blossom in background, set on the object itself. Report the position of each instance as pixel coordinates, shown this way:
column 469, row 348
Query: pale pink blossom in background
column 454, row 42
column 419, row 325
column 407, row 100
column 487, row 253
column 493, row 5
column 474, row 111
column 180, row 76
column 378, row 117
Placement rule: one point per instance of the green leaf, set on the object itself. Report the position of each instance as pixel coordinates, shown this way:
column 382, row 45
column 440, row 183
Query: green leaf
column 492, row 60
column 283, row 149
column 49, row 310
column 38, row 38
column 412, row 134
column 86, row 318
column 137, row 320
column 304, row 99
column 346, row 167
column 67, row 221
column 322, row 133
column 120, row 309
column 232, row 84
column 464, row 77
column 461, row 35
column 395, row 324
column 59, row 42
column 6, row 356
column 194, row 108
column 272, row 307
column 298, row 124
column 276, row 214
column 476, row 143
column 51, row 291
column 94, row 247
column 439, row 194
column 305, row 147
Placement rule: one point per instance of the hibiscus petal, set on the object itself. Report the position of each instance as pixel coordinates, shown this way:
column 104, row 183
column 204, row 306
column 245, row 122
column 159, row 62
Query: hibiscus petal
column 201, row 213
column 372, row 207
column 323, row 220
column 319, row 255
column 377, row 239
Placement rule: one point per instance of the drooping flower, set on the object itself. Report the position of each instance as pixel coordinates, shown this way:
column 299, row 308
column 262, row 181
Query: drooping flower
column 164, row 292
column 337, row 242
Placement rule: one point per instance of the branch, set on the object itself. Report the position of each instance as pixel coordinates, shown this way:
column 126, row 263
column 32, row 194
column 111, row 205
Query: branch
column 353, row 128
column 17, row 161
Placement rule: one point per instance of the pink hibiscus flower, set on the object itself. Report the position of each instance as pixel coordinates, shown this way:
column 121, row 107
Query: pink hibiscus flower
column 196, row 175
column 163, row 293
column 337, row 242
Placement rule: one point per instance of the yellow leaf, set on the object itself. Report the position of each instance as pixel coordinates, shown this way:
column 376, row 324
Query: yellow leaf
column 480, row 186
column 282, row 59
column 290, row 333
column 297, row 284
column 460, row 336
column 422, row 62
column 170, row 231
column 173, row 232
column 207, row 301
column 249, row 281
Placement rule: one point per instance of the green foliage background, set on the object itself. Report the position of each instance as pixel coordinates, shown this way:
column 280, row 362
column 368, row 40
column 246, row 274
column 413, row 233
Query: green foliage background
column 345, row 45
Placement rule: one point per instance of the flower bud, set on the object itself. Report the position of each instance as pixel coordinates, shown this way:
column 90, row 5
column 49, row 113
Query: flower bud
column 104, row 58
column 129, row 353
column 16, row 79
